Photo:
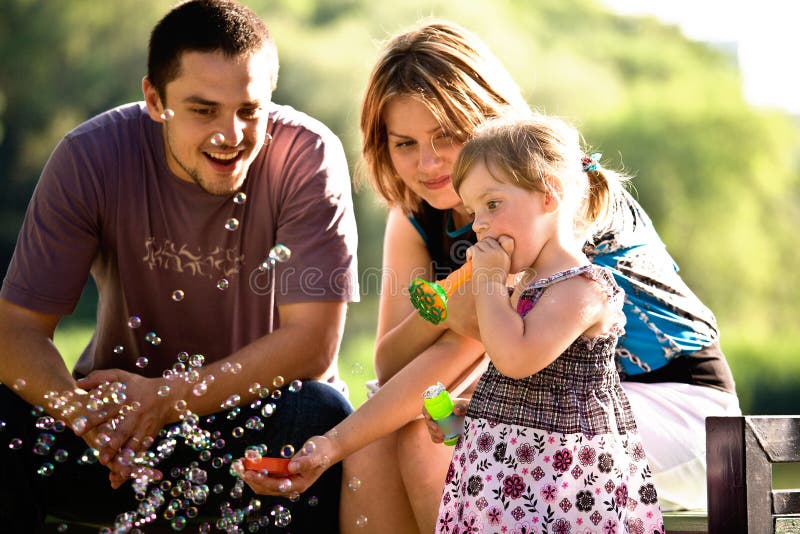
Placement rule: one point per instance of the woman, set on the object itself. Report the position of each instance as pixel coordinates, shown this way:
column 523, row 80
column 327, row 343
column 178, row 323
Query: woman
column 429, row 90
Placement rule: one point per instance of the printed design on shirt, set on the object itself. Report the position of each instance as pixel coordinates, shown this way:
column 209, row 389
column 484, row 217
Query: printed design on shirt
column 182, row 259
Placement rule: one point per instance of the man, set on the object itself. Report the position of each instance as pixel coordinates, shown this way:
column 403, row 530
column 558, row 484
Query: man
column 173, row 205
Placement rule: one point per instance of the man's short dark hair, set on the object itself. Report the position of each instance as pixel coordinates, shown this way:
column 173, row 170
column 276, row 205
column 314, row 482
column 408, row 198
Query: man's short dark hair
column 205, row 26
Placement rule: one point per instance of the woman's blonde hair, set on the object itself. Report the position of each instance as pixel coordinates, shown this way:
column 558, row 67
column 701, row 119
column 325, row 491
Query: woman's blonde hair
column 543, row 153
column 453, row 74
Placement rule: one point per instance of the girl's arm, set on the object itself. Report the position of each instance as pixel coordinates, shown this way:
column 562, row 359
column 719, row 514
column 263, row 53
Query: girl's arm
column 521, row 347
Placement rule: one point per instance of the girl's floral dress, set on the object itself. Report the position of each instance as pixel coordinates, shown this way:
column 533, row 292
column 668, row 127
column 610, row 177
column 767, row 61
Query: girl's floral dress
column 556, row 452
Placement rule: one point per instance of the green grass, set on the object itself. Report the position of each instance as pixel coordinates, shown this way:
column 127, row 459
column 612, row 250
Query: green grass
column 786, row 476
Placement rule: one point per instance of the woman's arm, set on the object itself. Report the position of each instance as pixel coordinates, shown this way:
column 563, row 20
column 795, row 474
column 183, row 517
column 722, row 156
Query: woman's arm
column 397, row 402
column 402, row 333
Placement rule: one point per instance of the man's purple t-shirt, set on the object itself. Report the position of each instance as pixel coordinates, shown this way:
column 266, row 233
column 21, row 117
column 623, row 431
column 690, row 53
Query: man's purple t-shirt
column 107, row 203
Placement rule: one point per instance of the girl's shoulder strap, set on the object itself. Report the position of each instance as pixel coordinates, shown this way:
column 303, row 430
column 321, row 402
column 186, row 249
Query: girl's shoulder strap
column 558, row 277
column 597, row 273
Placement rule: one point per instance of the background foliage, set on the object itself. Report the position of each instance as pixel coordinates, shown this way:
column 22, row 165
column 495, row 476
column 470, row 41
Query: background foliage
column 720, row 179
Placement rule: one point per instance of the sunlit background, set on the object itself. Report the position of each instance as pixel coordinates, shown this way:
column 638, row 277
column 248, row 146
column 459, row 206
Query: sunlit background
column 697, row 99
column 763, row 35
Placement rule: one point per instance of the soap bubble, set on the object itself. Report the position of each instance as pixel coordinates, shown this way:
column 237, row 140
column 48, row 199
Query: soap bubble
column 280, row 253
column 277, row 381
column 79, row 424
column 354, row 483
column 296, row 386
column 281, row 516
column 232, row 224
column 197, row 360
column 254, row 423
column 167, row 114
column 142, row 362
column 218, row 139
column 239, row 198
column 134, row 322
column 150, row 337
column 178, row 295
column 223, row 284
column 287, row 451
column 102, row 440
column 46, row 469
column 126, row 456
column 44, row 422
column 119, row 349
column 361, row 521
column 232, row 401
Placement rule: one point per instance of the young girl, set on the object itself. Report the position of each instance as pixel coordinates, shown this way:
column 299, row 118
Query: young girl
column 550, row 442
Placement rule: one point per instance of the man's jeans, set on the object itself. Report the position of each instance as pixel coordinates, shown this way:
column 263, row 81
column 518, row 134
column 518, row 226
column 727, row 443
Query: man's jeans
column 77, row 490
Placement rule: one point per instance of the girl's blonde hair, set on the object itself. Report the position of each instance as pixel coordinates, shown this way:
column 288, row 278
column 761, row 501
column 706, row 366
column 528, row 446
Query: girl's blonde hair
column 453, row 74
column 543, row 153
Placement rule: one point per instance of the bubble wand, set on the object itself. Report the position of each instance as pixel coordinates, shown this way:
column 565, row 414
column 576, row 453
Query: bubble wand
column 430, row 298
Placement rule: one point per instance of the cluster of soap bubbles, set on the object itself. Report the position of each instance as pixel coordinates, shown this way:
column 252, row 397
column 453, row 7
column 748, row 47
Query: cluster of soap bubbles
column 176, row 497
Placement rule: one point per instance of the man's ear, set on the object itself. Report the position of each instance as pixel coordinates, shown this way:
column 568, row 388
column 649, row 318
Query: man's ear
column 153, row 101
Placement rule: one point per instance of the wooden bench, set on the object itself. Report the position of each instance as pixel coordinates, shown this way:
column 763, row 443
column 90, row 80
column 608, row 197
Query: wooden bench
column 740, row 452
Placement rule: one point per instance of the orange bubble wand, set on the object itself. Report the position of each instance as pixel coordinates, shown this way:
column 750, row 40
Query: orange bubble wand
column 430, row 298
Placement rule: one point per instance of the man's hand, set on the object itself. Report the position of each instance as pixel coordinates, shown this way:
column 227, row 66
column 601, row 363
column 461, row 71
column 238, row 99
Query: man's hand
column 130, row 432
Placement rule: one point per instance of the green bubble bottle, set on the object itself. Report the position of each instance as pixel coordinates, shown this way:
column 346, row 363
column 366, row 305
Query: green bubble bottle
column 438, row 403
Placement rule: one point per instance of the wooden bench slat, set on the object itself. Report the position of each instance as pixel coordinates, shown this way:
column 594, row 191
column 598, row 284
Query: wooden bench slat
column 779, row 437
column 785, row 502
column 787, row 525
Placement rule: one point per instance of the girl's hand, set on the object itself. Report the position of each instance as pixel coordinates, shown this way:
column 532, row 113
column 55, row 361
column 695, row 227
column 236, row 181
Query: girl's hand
column 437, row 436
column 491, row 258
